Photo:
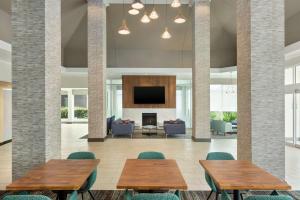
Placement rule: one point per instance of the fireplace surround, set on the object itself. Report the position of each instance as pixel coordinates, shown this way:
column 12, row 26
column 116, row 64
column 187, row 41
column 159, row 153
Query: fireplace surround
column 149, row 119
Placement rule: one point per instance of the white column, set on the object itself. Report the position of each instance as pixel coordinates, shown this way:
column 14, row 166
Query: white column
column 201, row 71
column 260, row 64
column 97, row 70
column 36, row 62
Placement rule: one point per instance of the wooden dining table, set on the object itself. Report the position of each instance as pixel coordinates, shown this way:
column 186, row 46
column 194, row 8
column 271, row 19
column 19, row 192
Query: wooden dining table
column 151, row 175
column 239, row 175
column 56, row 175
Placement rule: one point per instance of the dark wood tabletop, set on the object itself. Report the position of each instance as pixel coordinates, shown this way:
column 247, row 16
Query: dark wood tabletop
column 56, row 175
column 241, row 175
column 151, row 175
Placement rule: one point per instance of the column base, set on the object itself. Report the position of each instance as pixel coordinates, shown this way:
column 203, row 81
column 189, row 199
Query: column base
column 201, row 139
column 96, row 139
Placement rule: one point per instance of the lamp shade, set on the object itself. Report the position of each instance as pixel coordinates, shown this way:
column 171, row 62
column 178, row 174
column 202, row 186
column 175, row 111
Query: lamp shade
column 179, row 19
column 145, row 19
column 153, row 14
column 133, row 11
column 137, row 4
column 166, row 34
column 124, row 30
column 176, row 3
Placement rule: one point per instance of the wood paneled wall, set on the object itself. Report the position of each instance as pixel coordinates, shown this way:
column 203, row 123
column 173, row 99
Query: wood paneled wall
column 129, row 82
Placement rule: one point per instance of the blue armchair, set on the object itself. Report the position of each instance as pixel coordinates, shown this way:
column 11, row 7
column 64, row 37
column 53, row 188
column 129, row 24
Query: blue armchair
column 174, row 127
column 220, row 126
column 120, row 127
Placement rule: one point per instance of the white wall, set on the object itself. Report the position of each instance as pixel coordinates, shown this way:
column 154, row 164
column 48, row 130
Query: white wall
column 7, row 126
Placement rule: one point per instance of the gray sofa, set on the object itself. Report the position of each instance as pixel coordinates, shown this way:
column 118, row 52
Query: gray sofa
column 122, row 127
column 174, row 127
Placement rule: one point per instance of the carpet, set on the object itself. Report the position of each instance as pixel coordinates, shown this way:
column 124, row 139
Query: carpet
column 186, row 195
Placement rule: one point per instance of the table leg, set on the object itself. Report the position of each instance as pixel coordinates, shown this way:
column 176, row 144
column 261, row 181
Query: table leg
column 236, row 195
column 62, row 195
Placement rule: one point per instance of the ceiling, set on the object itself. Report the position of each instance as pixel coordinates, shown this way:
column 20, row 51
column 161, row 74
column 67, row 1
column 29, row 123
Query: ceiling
column 144, row 41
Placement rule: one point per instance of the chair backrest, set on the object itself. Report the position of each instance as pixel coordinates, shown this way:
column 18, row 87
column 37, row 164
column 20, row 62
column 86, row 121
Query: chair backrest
column 155, row 196
column 216, row 156
column 82, row 155
column 26, row 197
column 86, row 155
column 151, row 155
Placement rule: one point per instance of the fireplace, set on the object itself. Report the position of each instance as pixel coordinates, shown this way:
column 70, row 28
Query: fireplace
column 149, row 119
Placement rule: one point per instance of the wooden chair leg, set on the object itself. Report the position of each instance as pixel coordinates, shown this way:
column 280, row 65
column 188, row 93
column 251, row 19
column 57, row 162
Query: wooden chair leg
column 209, row 195
column 81, row 196
column 91, row 194
column 217, row 195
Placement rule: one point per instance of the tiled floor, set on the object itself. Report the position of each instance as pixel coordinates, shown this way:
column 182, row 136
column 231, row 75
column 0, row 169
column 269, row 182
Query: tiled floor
column 114, row 152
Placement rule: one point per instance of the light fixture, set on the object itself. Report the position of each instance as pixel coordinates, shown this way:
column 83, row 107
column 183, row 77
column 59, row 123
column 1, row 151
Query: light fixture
column 124, row 30
column 166, row 34
column 133, row 11
column 145, row 19
column 137, row 4
column 153, row 14
column 176, row 3
column 179, row 19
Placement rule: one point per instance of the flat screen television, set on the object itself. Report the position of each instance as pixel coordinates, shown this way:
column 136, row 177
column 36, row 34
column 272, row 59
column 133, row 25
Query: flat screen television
column 149, row 95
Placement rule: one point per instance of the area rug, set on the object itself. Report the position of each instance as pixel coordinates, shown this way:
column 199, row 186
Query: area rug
column 186, row 195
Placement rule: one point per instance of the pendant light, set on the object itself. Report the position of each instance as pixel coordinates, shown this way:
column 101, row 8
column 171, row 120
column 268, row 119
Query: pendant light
column 145, row 19
column 179, row 19
column 166, row 34
column 153, row 14
column 124, row 30
column 133, row 11
column 137, row 4
column 175, row 4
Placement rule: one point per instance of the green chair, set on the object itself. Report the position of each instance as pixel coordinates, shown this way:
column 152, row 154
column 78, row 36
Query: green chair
column 26, row 197
column 92, row 178
column 151, row 196
column 151, row 155
column 210, row 182
column 225, row 196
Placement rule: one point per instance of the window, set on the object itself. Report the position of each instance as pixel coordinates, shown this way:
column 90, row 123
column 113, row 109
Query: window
column 289, row 76
column 298, row 74
column 64, row 106
column 80, row 106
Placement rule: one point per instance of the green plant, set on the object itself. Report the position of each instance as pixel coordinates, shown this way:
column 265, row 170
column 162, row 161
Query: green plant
column 64, row 112
column 213, row 115
column 229, row 116
column 81, row 113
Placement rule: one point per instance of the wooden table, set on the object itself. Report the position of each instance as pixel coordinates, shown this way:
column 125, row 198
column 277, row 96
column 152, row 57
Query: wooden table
column 241, row 175
column 56, row 175
column 151, row 175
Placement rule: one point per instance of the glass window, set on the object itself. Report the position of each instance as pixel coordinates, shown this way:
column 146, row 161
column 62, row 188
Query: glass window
column 298, row 74
column 289, row 76
column 289, row 118
column 80, row 107
column 64, row 106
